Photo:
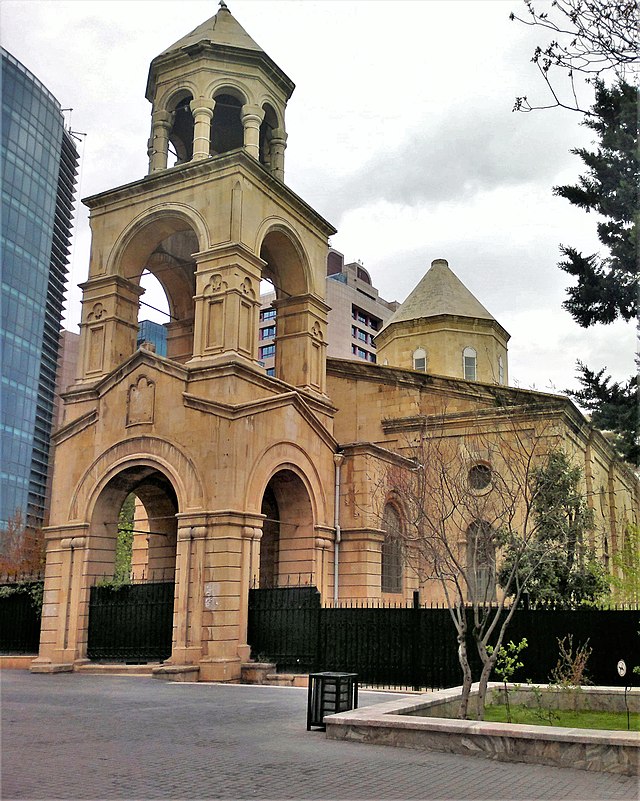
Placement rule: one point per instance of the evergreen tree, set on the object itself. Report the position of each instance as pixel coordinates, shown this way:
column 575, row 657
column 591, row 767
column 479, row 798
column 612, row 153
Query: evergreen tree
column 607, row 286
column 567, row 571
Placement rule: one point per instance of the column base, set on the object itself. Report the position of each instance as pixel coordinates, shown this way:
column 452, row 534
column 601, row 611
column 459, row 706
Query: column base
column 220, row 669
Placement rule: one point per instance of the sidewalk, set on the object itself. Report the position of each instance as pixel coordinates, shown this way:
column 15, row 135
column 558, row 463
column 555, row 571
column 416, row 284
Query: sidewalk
column 92, row 737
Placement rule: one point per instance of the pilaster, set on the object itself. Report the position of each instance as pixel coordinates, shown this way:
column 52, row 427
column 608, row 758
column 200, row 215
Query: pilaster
column 301, row 344
column 109, row 324
column 227, row 303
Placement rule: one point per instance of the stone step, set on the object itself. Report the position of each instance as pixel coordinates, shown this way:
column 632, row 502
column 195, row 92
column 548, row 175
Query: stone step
column 114, row 669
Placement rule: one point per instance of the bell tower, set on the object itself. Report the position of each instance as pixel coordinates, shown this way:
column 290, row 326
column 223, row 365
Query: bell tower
column 202, row 436
column 216, row 90
column 212, row 219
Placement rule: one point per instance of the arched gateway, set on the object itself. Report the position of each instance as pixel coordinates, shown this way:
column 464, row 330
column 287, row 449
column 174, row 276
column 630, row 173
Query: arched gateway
column 160, row 471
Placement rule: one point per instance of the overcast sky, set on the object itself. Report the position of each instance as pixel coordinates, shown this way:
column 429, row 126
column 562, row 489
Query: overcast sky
column 400, row 131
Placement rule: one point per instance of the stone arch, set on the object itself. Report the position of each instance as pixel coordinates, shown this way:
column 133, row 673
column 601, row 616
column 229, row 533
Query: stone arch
column 180, row 133
column 172, row 96
column 227, row 129
column 228, row 86
column 163, row 241
column 151, row 452
column 168, row 218
column 286, row 456
column 288, row 264
column 289, row 492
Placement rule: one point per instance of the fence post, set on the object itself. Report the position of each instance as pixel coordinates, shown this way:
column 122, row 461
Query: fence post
column 416, row 641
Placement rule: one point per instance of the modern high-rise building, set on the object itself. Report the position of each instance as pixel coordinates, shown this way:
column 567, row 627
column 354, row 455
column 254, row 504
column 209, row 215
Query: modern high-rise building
column 356, row 314
column 39, row 165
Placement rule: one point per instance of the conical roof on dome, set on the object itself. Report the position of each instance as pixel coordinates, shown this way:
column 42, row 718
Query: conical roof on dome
column 440, row 292
column 222, row 29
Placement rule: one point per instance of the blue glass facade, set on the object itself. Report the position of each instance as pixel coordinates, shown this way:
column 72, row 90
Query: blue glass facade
column 156, row 333
column 39, row 163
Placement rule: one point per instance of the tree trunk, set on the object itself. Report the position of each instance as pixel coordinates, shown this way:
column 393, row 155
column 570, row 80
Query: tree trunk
column 467, row 679
column 487, row 667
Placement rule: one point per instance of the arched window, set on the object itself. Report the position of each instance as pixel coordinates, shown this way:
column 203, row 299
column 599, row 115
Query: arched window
column 391, row 569
column 420, row 359
column 469, row 359
column 481, row 562
column 500, row 370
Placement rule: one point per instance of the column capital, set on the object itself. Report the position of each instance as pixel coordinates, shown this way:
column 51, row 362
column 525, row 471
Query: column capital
column 162, row 118
column 252, row 113
column 202, row 106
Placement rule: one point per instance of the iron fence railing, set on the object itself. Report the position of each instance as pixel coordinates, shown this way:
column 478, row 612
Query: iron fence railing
column 413, row 646
column 20, row 616
column 131, row 622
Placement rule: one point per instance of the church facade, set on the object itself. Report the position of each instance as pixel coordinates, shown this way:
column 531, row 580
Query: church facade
column 241, row 478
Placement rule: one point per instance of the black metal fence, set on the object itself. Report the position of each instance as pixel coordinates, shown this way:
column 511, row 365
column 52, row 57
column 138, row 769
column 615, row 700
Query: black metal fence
column 20, row 615
column 131, row 623
column 403, row 646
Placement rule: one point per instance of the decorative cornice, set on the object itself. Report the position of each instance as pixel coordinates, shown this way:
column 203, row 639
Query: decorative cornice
column 240, row 410
column 75, row 426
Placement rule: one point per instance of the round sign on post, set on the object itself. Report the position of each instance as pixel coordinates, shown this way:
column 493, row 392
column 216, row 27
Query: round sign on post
column 622, row 668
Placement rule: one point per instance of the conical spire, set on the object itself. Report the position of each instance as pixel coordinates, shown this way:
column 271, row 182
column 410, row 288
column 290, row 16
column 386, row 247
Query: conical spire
column 440, row 292
column 222, row 29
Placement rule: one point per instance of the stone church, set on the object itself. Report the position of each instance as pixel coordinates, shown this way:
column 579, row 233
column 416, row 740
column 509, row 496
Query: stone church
column 246, row 479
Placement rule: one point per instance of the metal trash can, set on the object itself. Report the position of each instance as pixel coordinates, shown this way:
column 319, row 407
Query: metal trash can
column 328, row 694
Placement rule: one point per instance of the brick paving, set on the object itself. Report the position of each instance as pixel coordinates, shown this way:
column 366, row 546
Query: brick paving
column 95, row 737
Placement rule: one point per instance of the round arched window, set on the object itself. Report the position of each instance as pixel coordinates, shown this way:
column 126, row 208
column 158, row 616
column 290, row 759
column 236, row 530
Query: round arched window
column 479, row 476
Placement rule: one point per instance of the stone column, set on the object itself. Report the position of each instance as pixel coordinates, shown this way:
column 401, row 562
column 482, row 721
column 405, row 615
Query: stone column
column 252, row 117
column 322, row 569
column 227, row 547
column 250, row 549
column 202, row 110
column 189, row 597
column 278, row 145
column 109, row 324
column 63, row 634
column 227, row 304
column 159, row 140
column 301, row 341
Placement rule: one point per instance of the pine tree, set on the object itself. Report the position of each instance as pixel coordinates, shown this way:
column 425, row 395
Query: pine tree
column 607, row 286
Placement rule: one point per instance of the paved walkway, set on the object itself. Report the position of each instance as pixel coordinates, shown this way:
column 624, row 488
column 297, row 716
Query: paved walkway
column 93, row 737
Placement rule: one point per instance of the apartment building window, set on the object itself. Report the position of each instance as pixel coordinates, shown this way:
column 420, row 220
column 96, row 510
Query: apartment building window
column 267, row 314
column 271, row 371
column 268, row 332
column 266, row 351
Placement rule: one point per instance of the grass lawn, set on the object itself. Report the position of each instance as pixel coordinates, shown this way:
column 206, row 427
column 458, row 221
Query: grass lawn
column 616, row 721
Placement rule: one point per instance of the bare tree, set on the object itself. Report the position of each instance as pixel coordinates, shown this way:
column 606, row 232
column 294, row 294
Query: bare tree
column 468, row 501
column 22, row 549
column 589, row 38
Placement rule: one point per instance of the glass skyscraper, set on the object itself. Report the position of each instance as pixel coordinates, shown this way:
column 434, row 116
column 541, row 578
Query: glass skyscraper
column 39, row 164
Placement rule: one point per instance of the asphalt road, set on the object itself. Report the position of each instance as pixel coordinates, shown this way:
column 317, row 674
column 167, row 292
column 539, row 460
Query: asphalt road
column 70, row 736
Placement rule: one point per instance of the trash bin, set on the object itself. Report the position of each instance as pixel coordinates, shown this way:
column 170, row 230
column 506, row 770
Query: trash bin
column 328, row 694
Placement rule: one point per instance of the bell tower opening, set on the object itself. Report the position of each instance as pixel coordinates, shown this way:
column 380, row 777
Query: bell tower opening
column 227, row 132
column 269, row 124
column 181, row 132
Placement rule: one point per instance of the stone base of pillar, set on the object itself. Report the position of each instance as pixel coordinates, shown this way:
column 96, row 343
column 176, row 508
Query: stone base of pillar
column 176, row 672
column 244, row 653
column 45, row 665
column 189, row 655
column 220, row 669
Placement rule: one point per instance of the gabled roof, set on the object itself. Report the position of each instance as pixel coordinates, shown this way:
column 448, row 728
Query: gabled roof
column 222, row 29
column 440, row 292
